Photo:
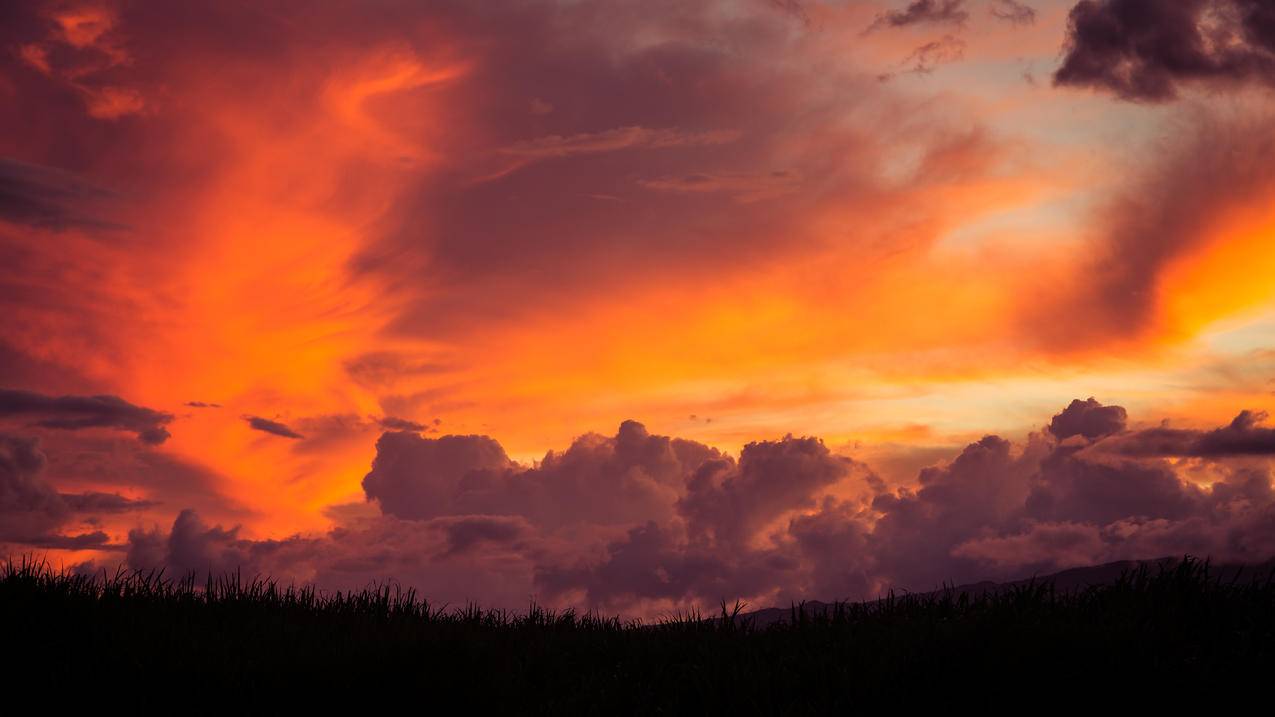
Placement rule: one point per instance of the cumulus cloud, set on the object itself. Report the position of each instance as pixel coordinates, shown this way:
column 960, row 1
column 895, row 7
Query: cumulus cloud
column 640, row 523
column 1088, row 418
column 604, row 480
column 78, row 412
column 1145, row 50
column 728, row 501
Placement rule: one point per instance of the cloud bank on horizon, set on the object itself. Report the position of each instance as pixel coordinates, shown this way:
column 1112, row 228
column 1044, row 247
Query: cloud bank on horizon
column 639, row 522
column 247, row 253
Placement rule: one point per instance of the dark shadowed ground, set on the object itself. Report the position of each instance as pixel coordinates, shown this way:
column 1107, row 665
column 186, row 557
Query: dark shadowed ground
column 1154, row 633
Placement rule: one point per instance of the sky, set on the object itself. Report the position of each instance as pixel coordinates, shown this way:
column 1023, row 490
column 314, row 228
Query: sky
column 636, row 305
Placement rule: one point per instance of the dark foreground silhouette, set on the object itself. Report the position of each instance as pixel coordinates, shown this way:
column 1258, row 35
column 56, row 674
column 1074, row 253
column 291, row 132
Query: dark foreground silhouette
column 1166, row 630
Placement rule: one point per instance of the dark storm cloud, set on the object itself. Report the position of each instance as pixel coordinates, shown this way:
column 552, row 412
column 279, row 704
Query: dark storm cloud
column 950, row 12
column 79, row 412
column 1143, row 50
column 266, row 425
column 47, row 198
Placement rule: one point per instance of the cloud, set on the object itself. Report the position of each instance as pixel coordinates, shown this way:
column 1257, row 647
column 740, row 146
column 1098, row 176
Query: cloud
column 598, row 479
column 48, row 198
column 79, row 412
column 727, row 502
column 1088, row 418
column 381, row 369
column 392, row 423
column 33, row 512
column 1244, row 436
column 192, row 547
column 641, row 523
column 1142, row 50
column 467, row 533
column 744, row 186
column 1014, row 12
column 1200, row 186
column 257, row 423
column 30, row 506
column 95, row 502
column 948, row 12
column 613, row 140
column 202, row 404
column 938, row 52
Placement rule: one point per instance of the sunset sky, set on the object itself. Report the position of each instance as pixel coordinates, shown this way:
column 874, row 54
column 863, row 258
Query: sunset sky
column 795, row 292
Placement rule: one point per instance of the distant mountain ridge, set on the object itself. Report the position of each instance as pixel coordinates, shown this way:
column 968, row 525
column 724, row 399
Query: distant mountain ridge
column 1068, row 580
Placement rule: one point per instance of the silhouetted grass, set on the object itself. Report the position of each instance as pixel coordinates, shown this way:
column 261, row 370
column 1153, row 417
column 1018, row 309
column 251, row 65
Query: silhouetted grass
column 236, row 642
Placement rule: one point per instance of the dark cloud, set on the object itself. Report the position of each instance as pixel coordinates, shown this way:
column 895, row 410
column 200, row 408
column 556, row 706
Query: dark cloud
column 605, row 480
column 1244, row 436
column 29, row 506
column 380, row 369
column 48, row 198
column 692, row 164
column 1088, row 418
column 1013, row 12
column 950, row 12
column 104, row 503
column 392, row 423
column 1097, row 492
column 78, row 412
column 469, row 532
column 33, row 512
column 192, row 547
column 1143, row 50
column 727, row 502
column 982, row 490
column 201, row 404
column 88, row 464
column 266, row 425
column 1210, row 166
column 323, row 431
column 415, row 478
column 640, row 522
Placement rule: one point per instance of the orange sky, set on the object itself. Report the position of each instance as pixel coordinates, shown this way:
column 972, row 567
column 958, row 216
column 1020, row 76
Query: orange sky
column 730, row 222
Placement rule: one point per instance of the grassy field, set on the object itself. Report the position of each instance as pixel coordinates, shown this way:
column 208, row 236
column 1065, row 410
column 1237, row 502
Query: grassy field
column 138, row 636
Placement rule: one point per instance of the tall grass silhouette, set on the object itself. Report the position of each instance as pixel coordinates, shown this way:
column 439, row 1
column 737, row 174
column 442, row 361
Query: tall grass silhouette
column 228, row 635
